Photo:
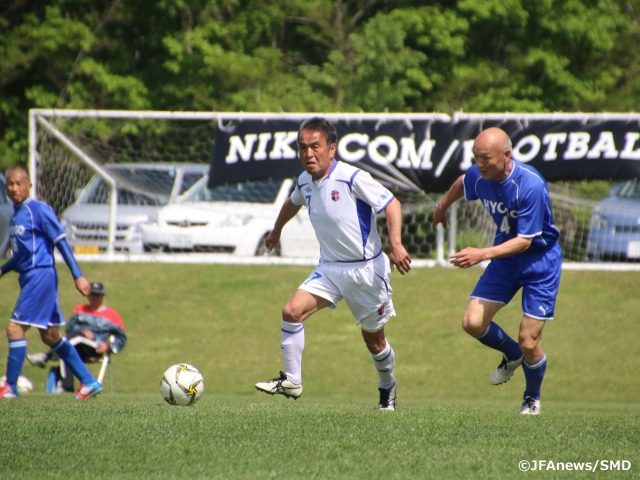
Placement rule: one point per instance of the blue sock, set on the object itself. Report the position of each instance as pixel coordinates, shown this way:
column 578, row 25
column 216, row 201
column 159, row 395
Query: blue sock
column 17, row 354
column 498, row 339
column 72, row 360
column 534, row 375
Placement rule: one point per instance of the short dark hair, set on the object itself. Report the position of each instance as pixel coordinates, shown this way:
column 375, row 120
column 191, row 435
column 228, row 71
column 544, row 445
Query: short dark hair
column 318, row 123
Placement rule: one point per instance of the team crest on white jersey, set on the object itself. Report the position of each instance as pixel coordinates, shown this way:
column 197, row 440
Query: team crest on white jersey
column 335, row 195
column 308, row 189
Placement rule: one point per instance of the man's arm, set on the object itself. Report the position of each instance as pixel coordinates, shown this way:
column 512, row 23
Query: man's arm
column 470, row 256
column 398, row 256
column 82, row 285
column 455, row 192
column 8, row 266
column 287, row 212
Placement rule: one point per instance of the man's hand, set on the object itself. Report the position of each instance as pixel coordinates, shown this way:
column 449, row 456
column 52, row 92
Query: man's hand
column 88, row 334
column 398, row 257
column 468, row 257
column 83, row 286
column 272, row 239
column 102, row 347
column 439, row 216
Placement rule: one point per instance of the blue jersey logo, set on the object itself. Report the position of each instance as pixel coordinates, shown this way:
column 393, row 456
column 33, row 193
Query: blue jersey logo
column 499, row 207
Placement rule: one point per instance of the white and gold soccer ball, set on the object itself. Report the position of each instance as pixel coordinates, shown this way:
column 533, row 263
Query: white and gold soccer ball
column 24, row 384
column 182, row 384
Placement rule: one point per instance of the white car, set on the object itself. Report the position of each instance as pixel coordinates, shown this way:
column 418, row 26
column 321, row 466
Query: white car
column 233, row 219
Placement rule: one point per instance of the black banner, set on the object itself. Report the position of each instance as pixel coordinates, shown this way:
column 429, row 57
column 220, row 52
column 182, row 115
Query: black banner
column 427, row 154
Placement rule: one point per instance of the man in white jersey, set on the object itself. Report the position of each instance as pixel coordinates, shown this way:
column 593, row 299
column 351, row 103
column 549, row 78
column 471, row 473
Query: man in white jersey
column 343, row 202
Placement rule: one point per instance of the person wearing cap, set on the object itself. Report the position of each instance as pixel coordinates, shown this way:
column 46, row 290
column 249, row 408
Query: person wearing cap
column 95, row 321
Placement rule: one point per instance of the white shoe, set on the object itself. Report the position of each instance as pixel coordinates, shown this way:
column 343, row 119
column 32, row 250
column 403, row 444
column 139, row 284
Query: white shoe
column 505, row 371
column 280, row 386
column 388, row 398
column 530, row 406
column 38, row 359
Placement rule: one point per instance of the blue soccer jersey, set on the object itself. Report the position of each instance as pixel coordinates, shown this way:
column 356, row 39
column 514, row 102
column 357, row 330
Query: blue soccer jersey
column 519, row 205
column 34, row 232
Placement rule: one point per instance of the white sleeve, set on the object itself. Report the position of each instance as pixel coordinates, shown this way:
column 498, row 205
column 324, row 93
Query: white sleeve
column 296, row 196
column 371, row 191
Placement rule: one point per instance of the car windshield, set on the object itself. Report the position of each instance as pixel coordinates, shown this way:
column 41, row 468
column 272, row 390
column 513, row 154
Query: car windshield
column 630, row 189
column 189, row 179
column 264, row 191
column 137, row 186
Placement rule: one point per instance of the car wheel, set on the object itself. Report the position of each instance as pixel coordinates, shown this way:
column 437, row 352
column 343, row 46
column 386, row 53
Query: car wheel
column 261, row 250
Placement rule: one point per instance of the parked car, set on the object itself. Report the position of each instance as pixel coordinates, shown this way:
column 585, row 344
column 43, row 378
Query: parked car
column 6, row 211
column 234, row 219
column 614, row 233
column 142, row 190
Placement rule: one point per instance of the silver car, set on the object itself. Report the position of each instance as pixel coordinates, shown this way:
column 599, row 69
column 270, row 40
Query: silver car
column 142, row 190
column 6, row 211
column 615, row 226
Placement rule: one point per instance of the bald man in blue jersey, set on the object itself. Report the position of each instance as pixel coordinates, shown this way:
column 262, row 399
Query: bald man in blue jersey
column 34, row 232
column 525, row 254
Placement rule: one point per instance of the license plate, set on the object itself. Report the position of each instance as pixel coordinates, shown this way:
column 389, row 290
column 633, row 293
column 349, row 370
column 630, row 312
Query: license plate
column 633, row 250
column 180, row 241
column 89, row 249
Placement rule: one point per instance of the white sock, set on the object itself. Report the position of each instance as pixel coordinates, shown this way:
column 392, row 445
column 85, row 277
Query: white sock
column 292, row 347
column 384, row 363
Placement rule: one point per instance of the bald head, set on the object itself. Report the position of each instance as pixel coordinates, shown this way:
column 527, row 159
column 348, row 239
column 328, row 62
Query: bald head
column 493, row 137
column 492, row 154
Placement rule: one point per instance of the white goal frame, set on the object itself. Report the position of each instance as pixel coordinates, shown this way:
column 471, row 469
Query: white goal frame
column 42, row 119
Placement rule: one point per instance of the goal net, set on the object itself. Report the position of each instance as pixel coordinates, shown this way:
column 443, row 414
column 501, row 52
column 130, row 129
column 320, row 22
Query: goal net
column 107, row 174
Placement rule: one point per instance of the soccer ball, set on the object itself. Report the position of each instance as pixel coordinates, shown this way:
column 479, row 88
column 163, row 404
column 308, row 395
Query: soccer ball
column 182, row 384
column 24, row 384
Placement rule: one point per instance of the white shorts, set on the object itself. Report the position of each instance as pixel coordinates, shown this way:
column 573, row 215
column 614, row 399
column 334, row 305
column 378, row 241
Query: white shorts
column 363, row 285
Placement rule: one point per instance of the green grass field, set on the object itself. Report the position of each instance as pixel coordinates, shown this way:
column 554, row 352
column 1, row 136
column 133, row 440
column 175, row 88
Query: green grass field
column 224, row 319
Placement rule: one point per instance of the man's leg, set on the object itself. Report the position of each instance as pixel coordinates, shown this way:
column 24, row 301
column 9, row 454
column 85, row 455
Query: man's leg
column 478, row 322
column 299, row 307
column 534, row 364
column 89, row 385
column 17, row 354
column 384, row 360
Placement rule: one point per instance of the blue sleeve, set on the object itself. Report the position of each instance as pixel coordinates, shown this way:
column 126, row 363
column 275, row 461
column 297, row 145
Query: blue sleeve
column 69, row 259
column 469, row 182
column 531, row 211
column 50, row 225
column 9, row 265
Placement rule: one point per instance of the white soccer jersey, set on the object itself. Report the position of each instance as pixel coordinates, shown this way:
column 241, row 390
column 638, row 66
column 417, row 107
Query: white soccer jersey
column 342, row 209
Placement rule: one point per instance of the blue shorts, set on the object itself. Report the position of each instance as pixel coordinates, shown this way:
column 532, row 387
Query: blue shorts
column 537, row 273
column 37, row 305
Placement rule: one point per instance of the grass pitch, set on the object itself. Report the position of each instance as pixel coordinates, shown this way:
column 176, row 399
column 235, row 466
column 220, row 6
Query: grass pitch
column 225, row 320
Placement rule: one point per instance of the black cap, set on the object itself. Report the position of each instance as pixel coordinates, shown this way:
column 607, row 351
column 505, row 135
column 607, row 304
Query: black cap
column 97, row 288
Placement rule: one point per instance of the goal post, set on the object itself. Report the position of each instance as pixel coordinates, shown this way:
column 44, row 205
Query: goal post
column 69, row 149
column 83, row 157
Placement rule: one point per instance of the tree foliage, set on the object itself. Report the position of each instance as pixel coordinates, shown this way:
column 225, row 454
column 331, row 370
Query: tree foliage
column 315, row 55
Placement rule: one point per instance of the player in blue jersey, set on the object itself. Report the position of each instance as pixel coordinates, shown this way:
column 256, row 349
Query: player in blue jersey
column 342, row 202
column 525, row 254
column 34, row 232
